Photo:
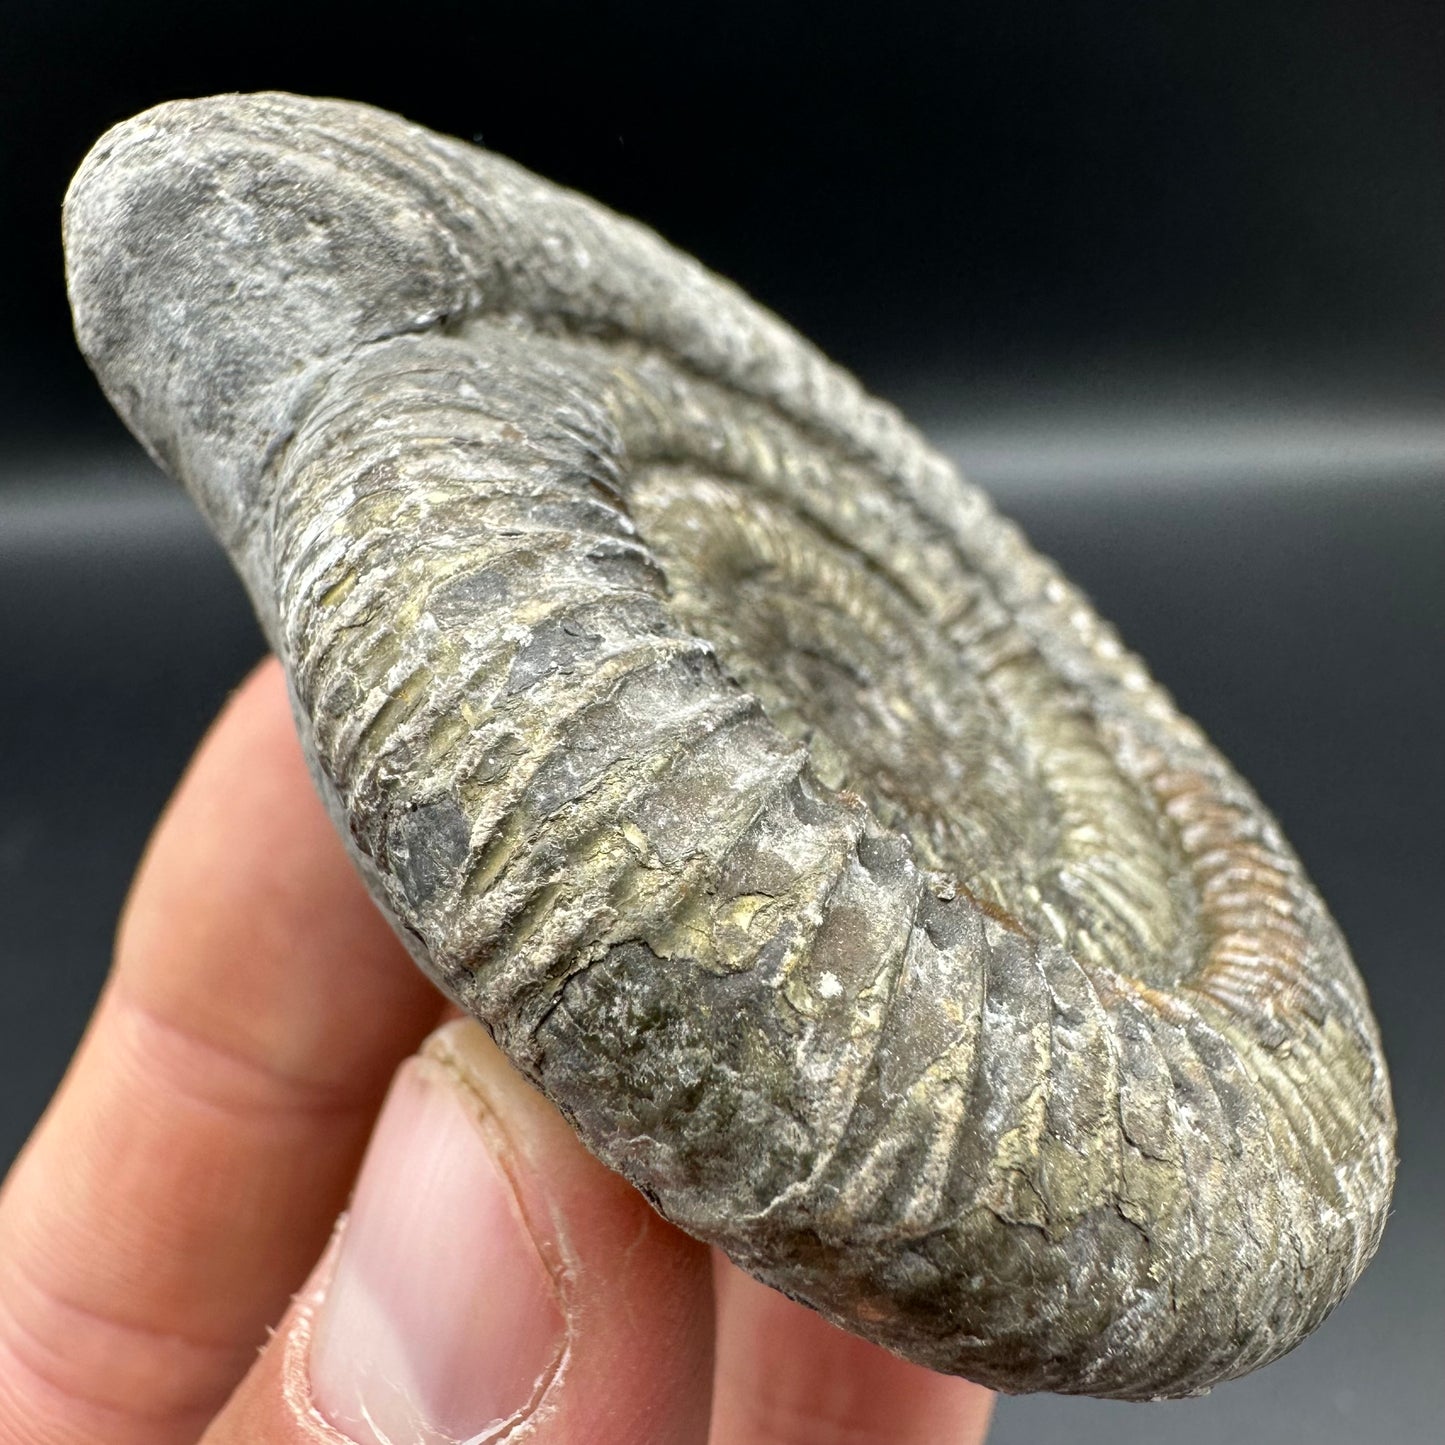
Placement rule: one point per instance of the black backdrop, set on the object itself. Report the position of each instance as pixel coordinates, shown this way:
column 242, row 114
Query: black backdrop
column 1166, row 276
column 992, row 187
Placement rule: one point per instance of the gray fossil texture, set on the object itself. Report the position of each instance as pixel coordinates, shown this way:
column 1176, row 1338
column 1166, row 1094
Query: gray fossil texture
column 801, row 832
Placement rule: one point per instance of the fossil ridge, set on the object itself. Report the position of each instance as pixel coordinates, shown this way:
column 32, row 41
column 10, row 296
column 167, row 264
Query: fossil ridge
column 803, row 834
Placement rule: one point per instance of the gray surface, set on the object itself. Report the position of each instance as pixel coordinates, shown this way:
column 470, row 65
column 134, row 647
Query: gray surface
column 1300, row 622
column 788, row 821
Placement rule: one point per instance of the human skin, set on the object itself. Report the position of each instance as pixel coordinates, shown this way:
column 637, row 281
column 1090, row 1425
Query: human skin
column 166, row 1219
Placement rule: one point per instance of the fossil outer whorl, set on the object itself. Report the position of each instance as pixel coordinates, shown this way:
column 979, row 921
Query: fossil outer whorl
column 801, row 832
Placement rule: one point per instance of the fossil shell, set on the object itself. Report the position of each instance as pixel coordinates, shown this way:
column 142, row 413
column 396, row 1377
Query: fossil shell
column 804, row 835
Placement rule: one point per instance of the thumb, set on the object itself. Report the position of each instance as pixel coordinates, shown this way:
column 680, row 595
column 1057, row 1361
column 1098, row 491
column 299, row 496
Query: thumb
column 491, row 1279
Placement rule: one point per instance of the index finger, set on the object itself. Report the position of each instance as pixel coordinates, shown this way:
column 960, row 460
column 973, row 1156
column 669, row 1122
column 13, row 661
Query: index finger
column 188, row 1172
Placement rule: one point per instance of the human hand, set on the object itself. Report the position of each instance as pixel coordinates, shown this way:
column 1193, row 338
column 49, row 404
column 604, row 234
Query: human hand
column 491, row 1281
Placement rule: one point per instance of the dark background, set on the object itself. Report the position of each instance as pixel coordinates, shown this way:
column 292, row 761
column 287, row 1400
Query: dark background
column 1169, row 279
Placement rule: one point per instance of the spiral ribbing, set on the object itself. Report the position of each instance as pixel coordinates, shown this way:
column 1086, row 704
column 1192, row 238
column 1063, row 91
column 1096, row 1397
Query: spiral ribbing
column 803, row 834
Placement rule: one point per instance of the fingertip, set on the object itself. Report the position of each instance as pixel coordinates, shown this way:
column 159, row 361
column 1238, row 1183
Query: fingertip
column 636, row 1292
column 491, row 1276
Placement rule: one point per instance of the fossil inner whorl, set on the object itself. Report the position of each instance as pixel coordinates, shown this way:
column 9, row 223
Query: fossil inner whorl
column 803, row 834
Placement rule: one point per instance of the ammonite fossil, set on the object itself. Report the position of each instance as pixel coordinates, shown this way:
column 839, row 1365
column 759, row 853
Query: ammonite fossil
column 804, row 835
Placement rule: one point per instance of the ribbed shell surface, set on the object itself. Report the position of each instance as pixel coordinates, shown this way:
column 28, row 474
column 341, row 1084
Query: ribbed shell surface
column 802, row 833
